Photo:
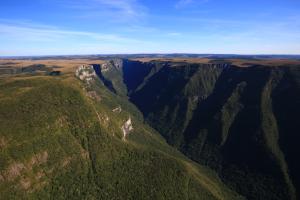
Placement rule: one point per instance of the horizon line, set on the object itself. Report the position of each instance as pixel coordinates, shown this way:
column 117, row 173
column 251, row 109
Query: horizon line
column 120, row 54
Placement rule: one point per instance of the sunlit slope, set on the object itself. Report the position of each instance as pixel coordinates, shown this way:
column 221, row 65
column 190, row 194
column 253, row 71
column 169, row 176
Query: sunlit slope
column 61, row 139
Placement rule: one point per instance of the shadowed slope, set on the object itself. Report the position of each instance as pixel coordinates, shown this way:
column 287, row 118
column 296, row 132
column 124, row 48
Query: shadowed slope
column 239, row 121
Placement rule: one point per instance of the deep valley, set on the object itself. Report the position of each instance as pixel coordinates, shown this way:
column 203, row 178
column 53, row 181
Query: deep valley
column 121, row 128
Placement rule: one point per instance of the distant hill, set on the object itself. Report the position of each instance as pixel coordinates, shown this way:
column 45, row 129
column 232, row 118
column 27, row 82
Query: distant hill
column 158, row 55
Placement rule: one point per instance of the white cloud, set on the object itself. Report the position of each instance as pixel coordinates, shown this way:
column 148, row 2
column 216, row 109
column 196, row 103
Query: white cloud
column 108, row 10
column 27, row 38
column 42, row 33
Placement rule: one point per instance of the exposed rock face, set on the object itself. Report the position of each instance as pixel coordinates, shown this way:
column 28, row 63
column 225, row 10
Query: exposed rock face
column 117, row 109
column 104, row 67
column 126, row 128
column 86, row 73
column 118, row 63
column 123, row 76
column 109, row 65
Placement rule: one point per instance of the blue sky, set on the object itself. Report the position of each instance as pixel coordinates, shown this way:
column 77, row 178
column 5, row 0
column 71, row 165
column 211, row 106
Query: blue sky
column 61, row 27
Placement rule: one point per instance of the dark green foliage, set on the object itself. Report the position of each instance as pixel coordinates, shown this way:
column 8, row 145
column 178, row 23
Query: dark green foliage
column 55, row 73
column 34, row 68
column 30, row 70
column 57, row 144
column 242, row 122
column 286, row 103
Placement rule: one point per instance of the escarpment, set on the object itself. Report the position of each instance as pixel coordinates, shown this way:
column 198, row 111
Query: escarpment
column 241, row 122
column 70, row 137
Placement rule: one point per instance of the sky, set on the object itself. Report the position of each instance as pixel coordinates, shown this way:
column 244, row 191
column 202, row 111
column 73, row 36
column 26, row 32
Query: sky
column 69, row 27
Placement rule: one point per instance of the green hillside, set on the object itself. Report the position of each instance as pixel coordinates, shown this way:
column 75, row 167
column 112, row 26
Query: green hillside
column 61, row 138
column 241, row 122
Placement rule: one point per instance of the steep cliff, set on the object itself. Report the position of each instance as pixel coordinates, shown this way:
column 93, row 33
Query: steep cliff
column 242, row 122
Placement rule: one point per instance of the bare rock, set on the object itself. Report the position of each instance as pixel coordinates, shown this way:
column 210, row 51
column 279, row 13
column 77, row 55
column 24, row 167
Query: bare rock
column 126, row 128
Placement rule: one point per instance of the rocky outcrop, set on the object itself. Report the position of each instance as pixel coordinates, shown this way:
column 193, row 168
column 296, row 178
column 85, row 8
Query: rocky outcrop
column 86, row 73
column 118, row 63
column 117, row 109
column 122, row 76
column 126, row 128
column 109, row 65
column 105, row 67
